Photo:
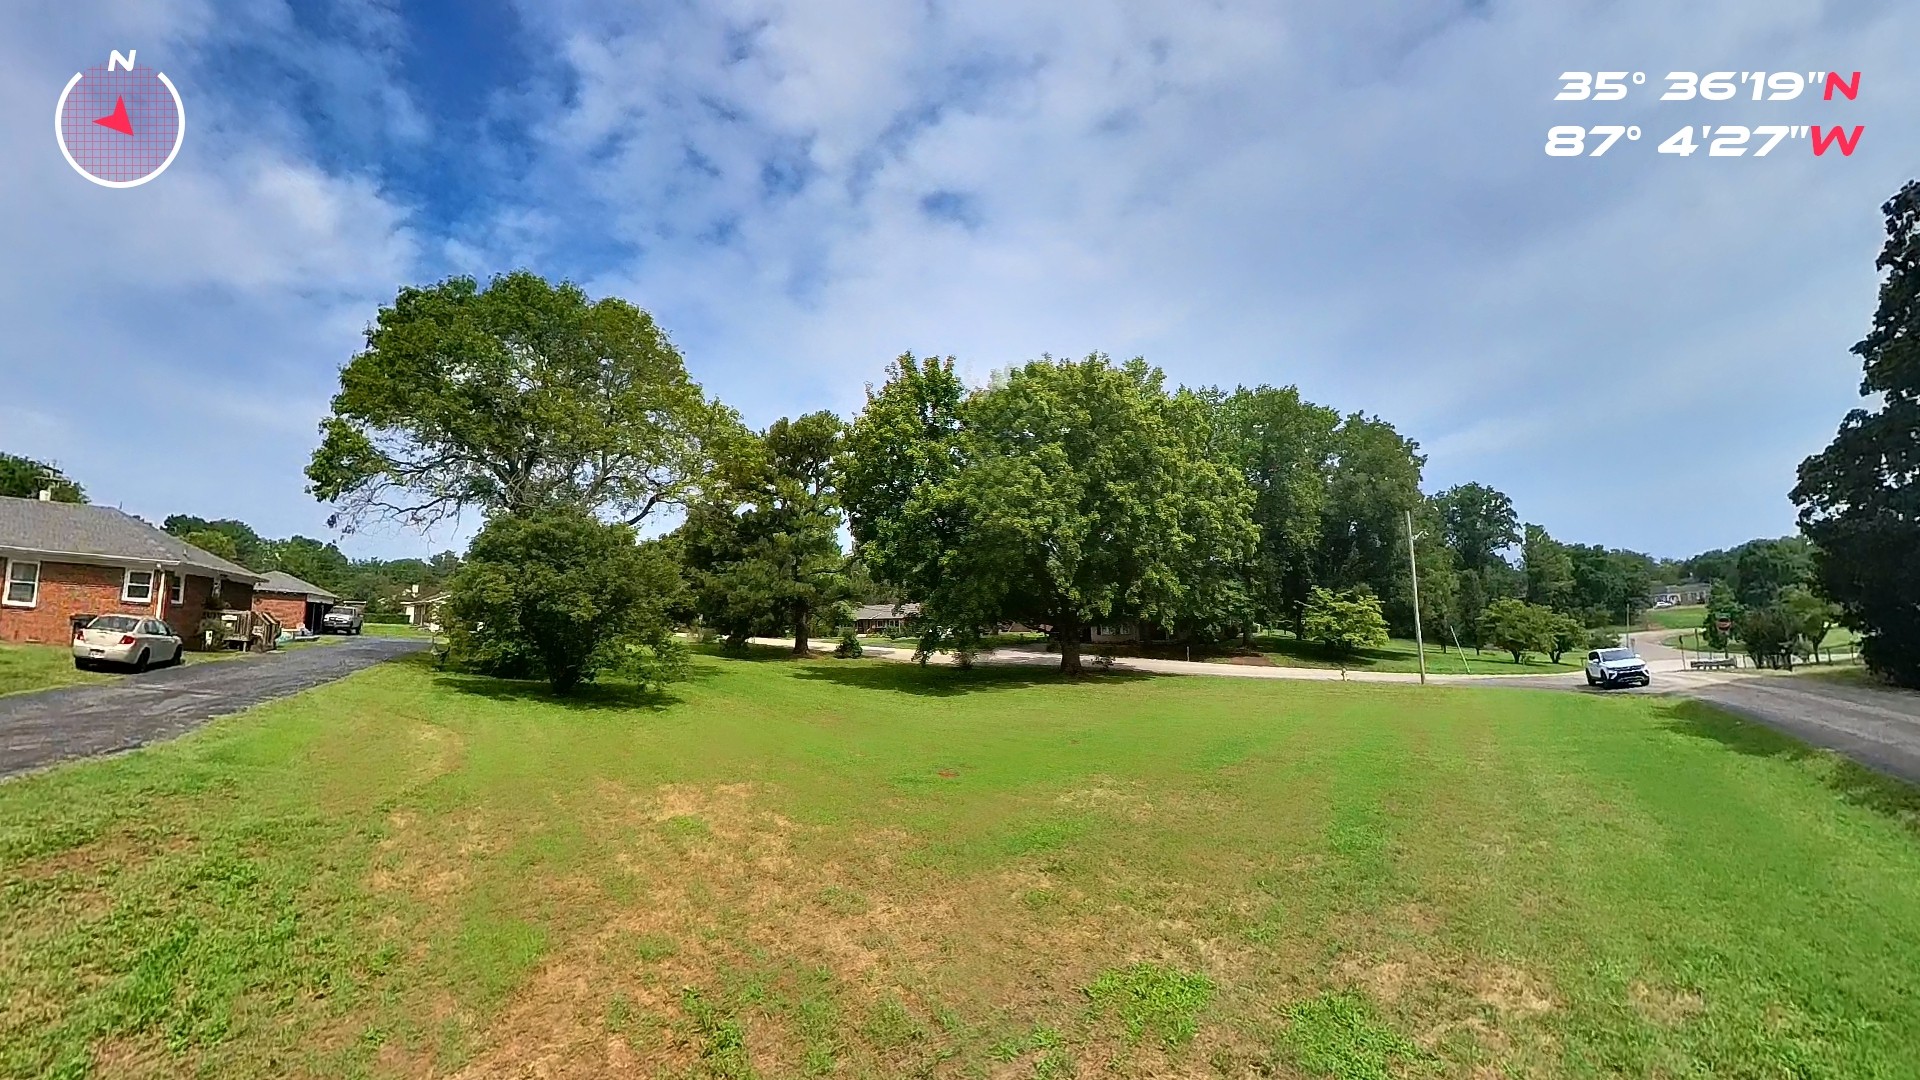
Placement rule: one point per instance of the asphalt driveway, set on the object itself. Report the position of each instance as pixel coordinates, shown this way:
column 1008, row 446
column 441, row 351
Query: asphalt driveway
column 41, row 729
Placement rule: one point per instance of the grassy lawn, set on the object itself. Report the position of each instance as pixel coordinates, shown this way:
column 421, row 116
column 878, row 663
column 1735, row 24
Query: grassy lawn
column 1399, row 655
column 1838, row 639
column 41, row 667
column 1686, row 617
column 869, row 869
column 393, row 630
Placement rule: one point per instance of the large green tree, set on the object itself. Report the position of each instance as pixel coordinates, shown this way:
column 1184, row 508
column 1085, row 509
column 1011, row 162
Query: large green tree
column 1282, row 448
column 25, row 478
column 1766, row 568
column 1480, row 524
column 897, row 460
column 516, row 396
column 248, row 548
column 1859, row 498
column 1548, row 569
column 765, row 549
column 1076, row 494
column 1374, row 479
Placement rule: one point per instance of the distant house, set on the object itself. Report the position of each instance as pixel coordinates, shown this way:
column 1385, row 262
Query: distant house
column 294, row 602
column 63, row 560
column 423, row 611
column 884, row 618
column 1687, row 592
column 1127, row 631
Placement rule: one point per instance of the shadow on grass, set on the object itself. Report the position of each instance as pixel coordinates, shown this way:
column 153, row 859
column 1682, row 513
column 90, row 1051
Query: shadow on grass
column 760, row 654
column 944, row 681
column 589, row 697
column 1852, row 781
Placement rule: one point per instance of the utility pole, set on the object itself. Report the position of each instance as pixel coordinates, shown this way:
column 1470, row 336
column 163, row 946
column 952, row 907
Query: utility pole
column 1413, row 564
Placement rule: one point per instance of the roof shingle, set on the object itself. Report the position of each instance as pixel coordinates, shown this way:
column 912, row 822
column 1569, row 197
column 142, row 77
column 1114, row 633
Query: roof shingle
column 30, row 526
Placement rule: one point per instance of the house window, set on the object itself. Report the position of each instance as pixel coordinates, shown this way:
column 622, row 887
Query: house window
column 137, row 588
column 176, row 590
column 23, row 584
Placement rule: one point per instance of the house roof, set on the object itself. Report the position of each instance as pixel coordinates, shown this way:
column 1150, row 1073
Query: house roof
column 279, row 581
column 871, row 612
column 102, row 533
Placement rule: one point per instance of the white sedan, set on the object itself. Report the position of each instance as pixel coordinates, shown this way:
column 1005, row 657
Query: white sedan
column 127, row 641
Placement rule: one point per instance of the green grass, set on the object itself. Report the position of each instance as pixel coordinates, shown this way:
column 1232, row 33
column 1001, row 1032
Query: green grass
column 394, row 630
column 1684, row 617
column 1399, row 654
column 41, row 667
column 797, row 868
column 1838, row 639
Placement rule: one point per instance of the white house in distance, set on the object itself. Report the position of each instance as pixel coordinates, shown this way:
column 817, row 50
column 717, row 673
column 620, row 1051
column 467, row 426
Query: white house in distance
column 883, row 618
column 1684, row 594
column 423, row 611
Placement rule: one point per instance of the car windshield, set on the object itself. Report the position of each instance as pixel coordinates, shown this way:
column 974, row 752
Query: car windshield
column 1617, row 654
column 121, row 623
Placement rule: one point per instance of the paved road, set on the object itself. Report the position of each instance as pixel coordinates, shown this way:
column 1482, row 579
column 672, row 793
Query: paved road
column 41, row 729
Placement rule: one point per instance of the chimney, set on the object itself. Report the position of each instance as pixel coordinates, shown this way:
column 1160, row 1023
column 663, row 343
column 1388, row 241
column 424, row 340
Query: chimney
column 46, row 494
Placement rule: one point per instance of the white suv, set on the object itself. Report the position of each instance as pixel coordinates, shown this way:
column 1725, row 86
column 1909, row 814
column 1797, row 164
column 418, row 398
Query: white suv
column 1608, row 668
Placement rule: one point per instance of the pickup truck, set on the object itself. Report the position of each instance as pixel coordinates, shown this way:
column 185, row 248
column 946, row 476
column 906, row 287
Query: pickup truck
column 343, row 619
column 1608, row 668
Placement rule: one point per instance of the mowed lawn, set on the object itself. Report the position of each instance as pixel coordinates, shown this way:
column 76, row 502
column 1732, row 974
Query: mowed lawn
column 865, row 869
column 1401, row 655
column 40, row 667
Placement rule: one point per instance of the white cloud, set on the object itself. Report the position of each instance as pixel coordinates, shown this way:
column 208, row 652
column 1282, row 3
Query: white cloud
column 1356, row 200
column 173, row 345
column 1352, row 197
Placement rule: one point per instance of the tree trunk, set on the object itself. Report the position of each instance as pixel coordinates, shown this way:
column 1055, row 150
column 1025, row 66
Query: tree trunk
column 800, row 629
column 1069, row 630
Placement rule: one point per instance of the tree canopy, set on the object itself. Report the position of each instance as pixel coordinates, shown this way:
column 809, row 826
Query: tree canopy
column 1859, row 498
column 25, row 478
column 764, row 550
column 512, row 397
column 1069, row 494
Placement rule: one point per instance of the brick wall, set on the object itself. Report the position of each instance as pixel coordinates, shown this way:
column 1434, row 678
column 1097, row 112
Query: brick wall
column 67, row 589
column 290, row 610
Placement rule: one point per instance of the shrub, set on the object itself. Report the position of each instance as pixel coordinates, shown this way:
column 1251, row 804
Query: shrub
column 1519, row 627
column 849, row 647
column 1344, row 622
column 560, row 595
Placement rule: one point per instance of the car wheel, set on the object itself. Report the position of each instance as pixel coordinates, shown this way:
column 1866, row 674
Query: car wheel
column 1591, row 681
column 81, row 665
column 140, row 663
column 179, row 655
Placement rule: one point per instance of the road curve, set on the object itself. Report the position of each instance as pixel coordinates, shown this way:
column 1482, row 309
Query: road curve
column 51, row 726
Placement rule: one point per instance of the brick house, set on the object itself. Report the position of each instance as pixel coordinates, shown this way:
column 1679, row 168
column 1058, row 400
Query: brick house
column 295, row 603
column 58, row 560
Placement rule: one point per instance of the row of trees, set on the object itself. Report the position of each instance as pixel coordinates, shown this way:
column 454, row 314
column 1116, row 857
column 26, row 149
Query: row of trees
column 1064, row 494
column 383, row 583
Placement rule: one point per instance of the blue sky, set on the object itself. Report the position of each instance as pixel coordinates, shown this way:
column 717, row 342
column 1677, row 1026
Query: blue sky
column 1638, row 348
